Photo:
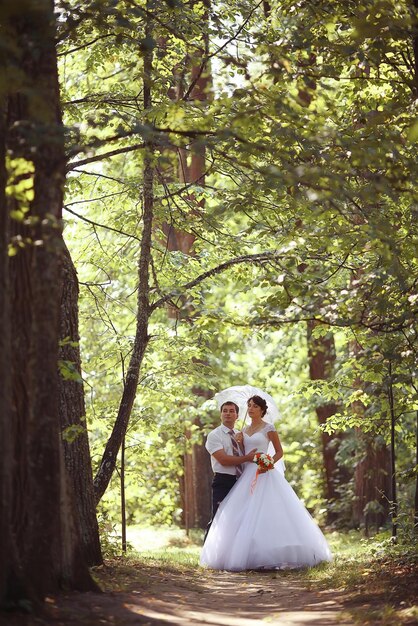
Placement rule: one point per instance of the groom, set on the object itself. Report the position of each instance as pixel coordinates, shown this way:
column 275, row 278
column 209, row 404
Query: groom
column 226, row 456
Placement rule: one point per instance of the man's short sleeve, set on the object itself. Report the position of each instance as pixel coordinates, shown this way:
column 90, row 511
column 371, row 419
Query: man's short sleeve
column 214, row 442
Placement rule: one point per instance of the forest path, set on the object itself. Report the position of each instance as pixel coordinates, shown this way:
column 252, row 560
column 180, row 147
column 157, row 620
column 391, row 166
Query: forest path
column 159, row 596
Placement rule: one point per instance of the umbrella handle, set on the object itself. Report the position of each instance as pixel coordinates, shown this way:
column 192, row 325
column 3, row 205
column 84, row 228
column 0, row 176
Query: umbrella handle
column 243, row 420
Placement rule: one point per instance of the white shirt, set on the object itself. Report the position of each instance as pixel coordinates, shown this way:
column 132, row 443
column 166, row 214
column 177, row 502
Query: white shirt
column 218, row 439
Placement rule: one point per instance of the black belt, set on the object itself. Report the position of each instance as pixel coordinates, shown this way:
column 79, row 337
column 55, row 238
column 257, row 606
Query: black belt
column 222, row 474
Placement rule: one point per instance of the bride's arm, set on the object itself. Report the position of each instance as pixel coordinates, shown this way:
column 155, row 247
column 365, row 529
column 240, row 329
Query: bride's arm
column 274, row 438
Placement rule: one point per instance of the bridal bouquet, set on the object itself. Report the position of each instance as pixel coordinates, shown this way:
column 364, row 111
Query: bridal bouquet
column 264, row 464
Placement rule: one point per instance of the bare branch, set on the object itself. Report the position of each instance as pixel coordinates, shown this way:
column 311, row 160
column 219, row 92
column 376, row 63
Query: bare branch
column 247, row 258
column 102, row 157
column 115, row 230
column 85, row 45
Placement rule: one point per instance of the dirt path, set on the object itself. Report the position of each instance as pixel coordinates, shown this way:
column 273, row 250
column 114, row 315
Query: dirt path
column 227, row 599
column 158, row 597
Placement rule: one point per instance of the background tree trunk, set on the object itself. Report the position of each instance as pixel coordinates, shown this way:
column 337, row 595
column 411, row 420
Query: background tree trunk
column 114, row 443
column 416, row 479
column 196, row 493
column 372, row 490
column 372, row 483
column 196, row 482
column 321, row 354
column 73, row 412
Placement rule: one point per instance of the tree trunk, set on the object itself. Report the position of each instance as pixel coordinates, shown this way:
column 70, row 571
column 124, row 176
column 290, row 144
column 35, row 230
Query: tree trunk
column 72, row 414
column 371, row 474
column 394, row 500
column 415, row 49
column 415, row 93
column 5, row 355
column 44, row 521
column 416, row 479
column 197, row 487
column 321, row 354
column 13, row 584
column 114, row 443
column 372, row 483
column 196, row 482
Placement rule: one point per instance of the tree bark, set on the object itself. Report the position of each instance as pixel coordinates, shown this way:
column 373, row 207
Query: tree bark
column 372, row 483
column 321, row 354
column 73, row 414
column 372, row 492
column 415, row 48
column 42, row 514
column 415, row 90
column 394, row 500
column 196, row 492
column 416, row 479
column 13, row 584
column 197, row 477
column 5, row 354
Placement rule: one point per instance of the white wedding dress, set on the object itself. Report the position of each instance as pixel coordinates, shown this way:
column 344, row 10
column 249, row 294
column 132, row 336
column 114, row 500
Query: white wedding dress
column 265, row 527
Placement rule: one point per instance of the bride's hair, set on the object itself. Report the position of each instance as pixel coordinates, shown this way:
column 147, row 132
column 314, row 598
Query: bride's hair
column 259, row 401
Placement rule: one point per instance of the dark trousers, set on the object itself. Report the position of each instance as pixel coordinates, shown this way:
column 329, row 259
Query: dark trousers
column 221, row 486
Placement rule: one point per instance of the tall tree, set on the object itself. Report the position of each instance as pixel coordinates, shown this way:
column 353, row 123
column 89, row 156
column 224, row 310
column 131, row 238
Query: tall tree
column 114, row 443
column 73, row 412
column 192, row 84
column 43, row 518
column 13, row 584
column 372, row 480
column 321, row 354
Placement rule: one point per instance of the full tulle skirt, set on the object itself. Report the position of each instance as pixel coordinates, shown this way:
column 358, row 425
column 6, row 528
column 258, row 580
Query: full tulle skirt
column 263, row 526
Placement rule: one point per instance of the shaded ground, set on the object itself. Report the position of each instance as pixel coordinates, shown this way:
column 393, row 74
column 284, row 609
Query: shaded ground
column 369, row 582
column 154, row 596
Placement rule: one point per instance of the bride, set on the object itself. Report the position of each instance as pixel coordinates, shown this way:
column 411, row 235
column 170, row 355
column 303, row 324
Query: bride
column 262, row 524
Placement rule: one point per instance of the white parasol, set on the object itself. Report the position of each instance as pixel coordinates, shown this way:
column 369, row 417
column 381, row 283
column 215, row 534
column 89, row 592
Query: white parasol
column 240, row 394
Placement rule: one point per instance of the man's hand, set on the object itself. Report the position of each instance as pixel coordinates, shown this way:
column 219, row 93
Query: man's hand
column 228, row 460
column 248, row 458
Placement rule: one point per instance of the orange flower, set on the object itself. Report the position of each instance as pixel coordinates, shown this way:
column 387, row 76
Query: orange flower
column 264, row 464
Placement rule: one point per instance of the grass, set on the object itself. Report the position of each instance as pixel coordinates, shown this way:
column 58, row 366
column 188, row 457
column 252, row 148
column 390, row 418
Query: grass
column 152, row 552
column 378, row 580
column 168, row 545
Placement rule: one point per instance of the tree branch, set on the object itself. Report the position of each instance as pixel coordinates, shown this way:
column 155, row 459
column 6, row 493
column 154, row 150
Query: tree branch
column 85, row 45
column 247, row 258
column 86, row 219
column 210, row 56
column 107, row 155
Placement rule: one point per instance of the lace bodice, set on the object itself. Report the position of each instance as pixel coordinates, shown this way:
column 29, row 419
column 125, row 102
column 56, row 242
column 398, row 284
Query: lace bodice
column 259, row 439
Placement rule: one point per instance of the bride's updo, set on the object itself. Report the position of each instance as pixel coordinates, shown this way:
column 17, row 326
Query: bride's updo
column 259, row 401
